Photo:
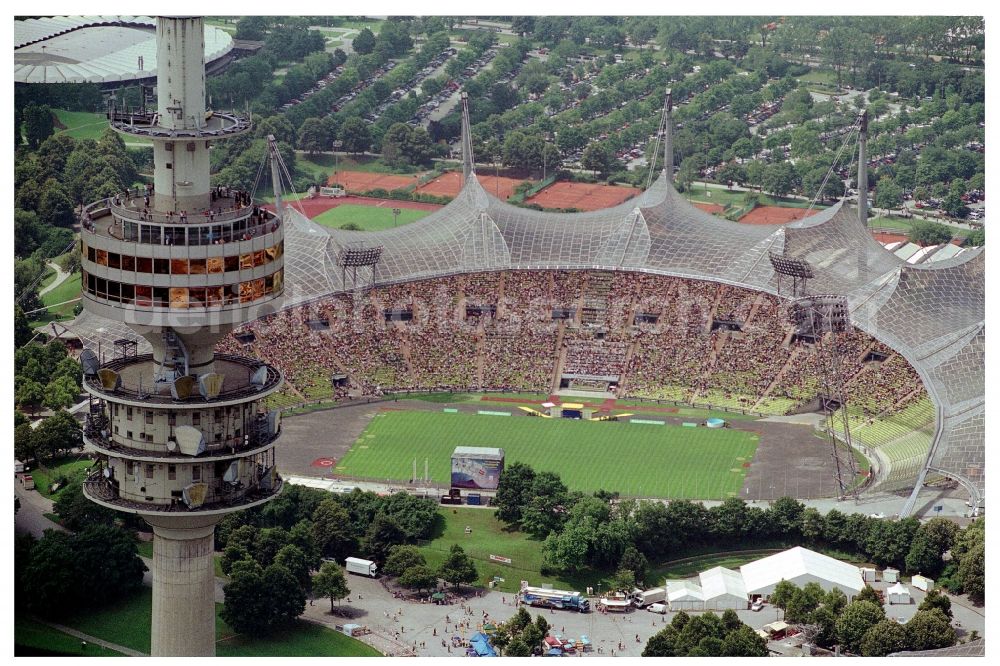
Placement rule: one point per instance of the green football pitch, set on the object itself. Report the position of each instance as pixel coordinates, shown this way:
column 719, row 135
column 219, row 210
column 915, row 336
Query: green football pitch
column 634, row 459
column 369, row 218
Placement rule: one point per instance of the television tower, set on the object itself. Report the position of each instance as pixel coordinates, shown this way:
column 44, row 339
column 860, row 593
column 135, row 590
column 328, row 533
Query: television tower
column 182, row 435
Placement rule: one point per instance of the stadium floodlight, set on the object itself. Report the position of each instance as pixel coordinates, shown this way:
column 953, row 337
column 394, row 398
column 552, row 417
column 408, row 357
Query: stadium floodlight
column 797, row 269
column 816, row 315
column 360, row 256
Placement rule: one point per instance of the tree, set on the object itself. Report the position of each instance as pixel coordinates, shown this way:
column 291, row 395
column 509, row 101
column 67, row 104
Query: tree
column 28, row 393
column 923, row 232
column 330, row 582
column 60, row 393
column 294, row 560
column 403, row 145
column 513, row 492
column 383, row 533
column 458, row 568
column 884, row 638
column 108, row 563
column 855, row 621
column 418, row 577
column 517, row 648
column 332, row 530
column 57, row 434
column 598, row 157
column 803, row 602
column 936, row 600
column 623, row 580
column 22, row 330
column 547, row 507
column 976, row 239
column 313, row 136
column 364, row 43
column 888, row 194
column 286, row 598
column 929, row 630
column 743, row 642
column 689, row 171
column 779, row 179
column 567, row 550
column 38, row 124
column 51, row 576
column 953, row 204
column 932, row 540
column 77, row 512
column 634, row 561
column 868, row 593
column 972, row 572
column 252, row 28
column 663, row 644
column 246, row 607
column 402, row 558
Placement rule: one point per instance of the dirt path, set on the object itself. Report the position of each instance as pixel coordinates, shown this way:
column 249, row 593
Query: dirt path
column 61, row 276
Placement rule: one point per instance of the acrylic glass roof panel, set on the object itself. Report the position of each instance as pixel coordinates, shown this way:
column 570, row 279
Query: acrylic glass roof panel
column 95, row 49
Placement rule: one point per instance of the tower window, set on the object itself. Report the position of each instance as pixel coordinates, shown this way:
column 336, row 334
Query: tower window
column 149, row 471
column 196, row 473
column 172, row 472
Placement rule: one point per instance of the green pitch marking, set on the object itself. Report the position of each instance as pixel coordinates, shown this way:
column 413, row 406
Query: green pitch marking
column 668, row 461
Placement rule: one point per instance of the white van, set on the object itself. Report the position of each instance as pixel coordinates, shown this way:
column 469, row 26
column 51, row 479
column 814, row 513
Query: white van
column 657, row 608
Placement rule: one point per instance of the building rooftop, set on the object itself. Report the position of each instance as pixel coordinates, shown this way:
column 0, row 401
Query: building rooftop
column 95, row 49
column 763, row 573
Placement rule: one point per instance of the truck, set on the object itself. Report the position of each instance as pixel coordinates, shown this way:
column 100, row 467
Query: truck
column 558, row 599
column 642, row 598
column 361, row 567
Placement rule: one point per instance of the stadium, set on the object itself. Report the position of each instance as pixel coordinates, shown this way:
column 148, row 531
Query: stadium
column 106, row 50
column 651, row 300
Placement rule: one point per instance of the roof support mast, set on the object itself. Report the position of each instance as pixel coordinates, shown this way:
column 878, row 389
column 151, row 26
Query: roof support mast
column 863, row 170
column 468, row 164
column 668, row 138
column 272, row 157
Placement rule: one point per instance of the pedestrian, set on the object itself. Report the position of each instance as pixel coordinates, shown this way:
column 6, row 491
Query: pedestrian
column 435, row 631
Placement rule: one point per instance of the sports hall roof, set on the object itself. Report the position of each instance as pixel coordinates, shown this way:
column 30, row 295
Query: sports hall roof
column 95, row 49
column 932, row 314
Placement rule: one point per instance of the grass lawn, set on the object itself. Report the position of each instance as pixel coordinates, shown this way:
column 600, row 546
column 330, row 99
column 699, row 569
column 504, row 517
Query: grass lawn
column 32, row 638
column 66, row 291
column 128, row 623
column 303, row 639
column 490, row 537
column 369, row 218
column 823, row 76
column 634, row 459
column 72, row 468
column 906, row 223
column 86, row 125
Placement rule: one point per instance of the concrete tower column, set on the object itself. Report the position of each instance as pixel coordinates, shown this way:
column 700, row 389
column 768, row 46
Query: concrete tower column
column 181, row 171
column 183, row 586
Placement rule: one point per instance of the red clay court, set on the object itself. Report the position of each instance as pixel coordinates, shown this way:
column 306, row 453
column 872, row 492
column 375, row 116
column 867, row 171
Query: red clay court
column 449, row 184
column 313, row 207
column 712, row 208
column 362, row 181
column 582, row 196
column 775, row 215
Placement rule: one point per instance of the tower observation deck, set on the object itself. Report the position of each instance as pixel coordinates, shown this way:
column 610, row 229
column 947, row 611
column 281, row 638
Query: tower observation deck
column 182, row 434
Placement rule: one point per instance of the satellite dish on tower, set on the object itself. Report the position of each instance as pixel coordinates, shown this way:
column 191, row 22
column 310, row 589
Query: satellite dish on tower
column 260, row 376
column 210, row 385
column 183, row 387
column 90, row 362
column 190, row 440
column 110, row 380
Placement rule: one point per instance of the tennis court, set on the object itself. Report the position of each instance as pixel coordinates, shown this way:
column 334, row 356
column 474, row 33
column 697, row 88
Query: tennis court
column 582, row 196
